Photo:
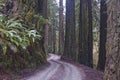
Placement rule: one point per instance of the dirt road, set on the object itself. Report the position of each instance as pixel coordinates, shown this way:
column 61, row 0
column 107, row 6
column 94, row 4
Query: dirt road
column 58, row 70
column 65, row 70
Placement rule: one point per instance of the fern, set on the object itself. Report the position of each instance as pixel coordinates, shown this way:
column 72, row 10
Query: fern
column 13, row 33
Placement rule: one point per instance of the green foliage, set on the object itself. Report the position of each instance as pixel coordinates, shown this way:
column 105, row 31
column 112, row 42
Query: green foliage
column 35, row 53
column 2, row 4
column 13, row 33
column 20, row 37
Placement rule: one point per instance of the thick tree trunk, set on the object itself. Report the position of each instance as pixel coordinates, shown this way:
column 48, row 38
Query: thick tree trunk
column 90, row 34
column 103, row 33
column 42, row 9
column 61, row 27
column 112, row 67
column 85, row 33
column 70, row 47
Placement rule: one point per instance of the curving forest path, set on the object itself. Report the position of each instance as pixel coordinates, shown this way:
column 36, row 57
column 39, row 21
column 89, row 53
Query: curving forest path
column 60, row 70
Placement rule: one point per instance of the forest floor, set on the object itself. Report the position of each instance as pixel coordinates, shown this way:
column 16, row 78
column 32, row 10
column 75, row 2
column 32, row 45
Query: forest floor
column 58, row 69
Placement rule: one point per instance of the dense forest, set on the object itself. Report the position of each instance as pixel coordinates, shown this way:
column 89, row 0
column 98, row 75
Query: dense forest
column 84, row 34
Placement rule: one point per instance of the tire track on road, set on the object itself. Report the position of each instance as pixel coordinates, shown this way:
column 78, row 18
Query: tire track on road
column 44, row 75
column 58, row 70
column 71, row 71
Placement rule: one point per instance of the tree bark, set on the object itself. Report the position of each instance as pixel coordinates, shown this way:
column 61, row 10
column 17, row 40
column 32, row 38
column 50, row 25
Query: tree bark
column 85, row 33
column 61, row 27
column 90, row 34
column 69, row 46
column 103, row 34
column 112, row 67
column 42, row 9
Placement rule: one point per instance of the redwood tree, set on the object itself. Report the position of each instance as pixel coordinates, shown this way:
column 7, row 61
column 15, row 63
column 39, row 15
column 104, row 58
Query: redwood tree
column 61, row 27
column 85, row 33
column 103, row 33
column 112, row 67
column 42, row 9
column 69, row 46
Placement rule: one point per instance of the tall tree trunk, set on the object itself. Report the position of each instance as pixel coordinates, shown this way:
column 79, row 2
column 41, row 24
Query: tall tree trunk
column 61, row 27
column 50, row 39
column 42, row 9
column 85, row 33
column 69, row 46
column 90, row 34
column 112, row 67
column 103, row 33
column 54, row 41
